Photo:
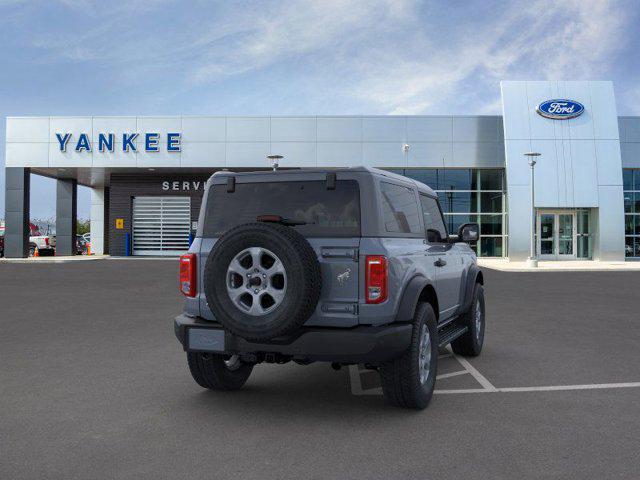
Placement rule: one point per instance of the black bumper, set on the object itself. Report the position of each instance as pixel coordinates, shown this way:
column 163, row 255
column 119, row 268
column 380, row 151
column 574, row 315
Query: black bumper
column 363, row 344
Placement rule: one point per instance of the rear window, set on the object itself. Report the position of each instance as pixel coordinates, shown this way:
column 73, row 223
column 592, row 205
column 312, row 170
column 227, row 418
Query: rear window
column 327, row 213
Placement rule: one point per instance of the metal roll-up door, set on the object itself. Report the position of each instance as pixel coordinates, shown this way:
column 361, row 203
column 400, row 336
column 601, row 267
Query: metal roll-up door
column 161, row 225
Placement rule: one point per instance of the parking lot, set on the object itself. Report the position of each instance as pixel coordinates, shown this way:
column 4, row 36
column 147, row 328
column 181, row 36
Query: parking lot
column 94, row 385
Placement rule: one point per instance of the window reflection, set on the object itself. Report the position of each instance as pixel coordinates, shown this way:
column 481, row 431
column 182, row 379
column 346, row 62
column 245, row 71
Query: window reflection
column 470, row 196
column 631, row 182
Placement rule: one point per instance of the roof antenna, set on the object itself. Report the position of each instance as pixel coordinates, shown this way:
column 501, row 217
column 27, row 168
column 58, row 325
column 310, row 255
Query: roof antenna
column 274, row 161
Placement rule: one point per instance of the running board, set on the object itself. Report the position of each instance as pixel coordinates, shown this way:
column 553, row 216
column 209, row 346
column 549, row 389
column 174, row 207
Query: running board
column 449, row 333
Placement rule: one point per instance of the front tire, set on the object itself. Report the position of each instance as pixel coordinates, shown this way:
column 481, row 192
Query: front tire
column 470, row 344
column 409, row 380
column 218, row 372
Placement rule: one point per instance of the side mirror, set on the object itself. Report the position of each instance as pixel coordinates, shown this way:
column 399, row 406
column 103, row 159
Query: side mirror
column 469, row 232
column 433, row 236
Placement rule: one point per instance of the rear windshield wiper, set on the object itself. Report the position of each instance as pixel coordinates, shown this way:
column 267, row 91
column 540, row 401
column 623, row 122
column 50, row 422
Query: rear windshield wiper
column 281, row 220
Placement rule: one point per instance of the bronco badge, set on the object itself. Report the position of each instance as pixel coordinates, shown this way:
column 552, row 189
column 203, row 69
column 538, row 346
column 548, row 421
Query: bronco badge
column 344, row 276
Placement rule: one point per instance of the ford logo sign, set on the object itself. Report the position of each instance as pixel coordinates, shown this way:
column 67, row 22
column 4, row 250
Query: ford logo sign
column 560, row 109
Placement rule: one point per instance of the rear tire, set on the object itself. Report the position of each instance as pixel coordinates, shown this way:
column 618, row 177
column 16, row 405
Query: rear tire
column 210, row 371
column 470, row 344
column 403, row 380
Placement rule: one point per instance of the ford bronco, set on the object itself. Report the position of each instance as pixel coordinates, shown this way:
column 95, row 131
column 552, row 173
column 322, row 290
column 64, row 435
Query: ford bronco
column 348, row 266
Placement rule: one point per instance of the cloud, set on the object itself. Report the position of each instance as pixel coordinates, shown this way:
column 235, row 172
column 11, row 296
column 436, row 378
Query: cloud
column 293, row 30
column 540, row 40
column 390, row 56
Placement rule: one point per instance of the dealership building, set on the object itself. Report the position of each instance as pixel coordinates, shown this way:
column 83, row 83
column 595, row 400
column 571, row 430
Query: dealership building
column 147, row 174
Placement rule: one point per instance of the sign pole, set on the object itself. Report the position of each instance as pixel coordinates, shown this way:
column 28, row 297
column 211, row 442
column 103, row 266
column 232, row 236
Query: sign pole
column 532, row 261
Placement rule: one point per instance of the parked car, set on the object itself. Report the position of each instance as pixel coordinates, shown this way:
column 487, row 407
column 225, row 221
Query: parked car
column 348, row 266
column 45, row 243
column 81, row 245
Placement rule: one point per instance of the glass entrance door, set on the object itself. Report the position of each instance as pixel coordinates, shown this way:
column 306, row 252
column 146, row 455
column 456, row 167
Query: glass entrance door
column 547, row 242
column 556, row 235
column 566, row 233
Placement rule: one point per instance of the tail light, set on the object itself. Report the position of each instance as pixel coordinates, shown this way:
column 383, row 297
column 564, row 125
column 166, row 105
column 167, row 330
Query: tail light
column 188, row 274
column 46, row 241
column 376, row 278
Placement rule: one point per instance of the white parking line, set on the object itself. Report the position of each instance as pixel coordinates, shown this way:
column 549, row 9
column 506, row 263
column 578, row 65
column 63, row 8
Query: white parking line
column 544, row 388
column 486, row 384
column 452, row 374
column 356, row 384
column 590, row 386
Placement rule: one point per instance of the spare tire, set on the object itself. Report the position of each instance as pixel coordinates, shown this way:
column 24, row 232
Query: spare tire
column 262, row 280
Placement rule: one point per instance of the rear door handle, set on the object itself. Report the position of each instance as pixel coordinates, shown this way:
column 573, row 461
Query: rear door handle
column 440, row 263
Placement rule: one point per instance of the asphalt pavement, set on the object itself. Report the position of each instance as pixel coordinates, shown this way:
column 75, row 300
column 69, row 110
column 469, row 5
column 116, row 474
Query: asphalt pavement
column 94, row 385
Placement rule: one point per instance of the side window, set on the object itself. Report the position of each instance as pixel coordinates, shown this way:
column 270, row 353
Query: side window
column 433, row 221
column 400, row 209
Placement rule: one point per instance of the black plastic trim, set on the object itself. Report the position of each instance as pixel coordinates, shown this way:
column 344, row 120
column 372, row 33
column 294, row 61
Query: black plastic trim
column 410, row 298
column 362, row 344
column 472, row 277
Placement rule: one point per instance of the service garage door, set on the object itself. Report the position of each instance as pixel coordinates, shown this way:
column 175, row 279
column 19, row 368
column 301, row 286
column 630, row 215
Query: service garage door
column 161, row 225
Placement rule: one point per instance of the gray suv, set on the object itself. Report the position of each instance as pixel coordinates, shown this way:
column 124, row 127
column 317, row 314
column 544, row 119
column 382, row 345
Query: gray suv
column 348, row 266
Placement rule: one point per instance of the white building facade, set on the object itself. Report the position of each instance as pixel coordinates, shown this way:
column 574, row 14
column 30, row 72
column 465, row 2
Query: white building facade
column 147, row 174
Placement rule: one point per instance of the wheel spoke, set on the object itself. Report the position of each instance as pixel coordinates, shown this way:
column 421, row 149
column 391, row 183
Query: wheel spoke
column 276, row 268
column 256, row 255
column 236, row 267
column 236, row 293
column 424, row 360
column 277, row 295
column 256, row 308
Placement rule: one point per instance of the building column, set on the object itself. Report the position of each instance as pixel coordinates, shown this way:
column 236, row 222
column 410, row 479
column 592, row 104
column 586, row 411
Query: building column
column 97, row 221
column 17, row 190
column 106, row 220
column 66, row 217
column 609, row 227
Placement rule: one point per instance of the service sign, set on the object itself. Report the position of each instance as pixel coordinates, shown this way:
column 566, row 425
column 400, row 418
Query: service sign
column 149, row 141
column 560, row 109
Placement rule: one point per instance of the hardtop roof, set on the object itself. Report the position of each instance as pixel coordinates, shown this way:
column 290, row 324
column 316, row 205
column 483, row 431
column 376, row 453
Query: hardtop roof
column 357, row 169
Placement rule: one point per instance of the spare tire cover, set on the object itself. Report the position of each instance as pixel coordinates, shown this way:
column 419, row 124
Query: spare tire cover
column 262, row 280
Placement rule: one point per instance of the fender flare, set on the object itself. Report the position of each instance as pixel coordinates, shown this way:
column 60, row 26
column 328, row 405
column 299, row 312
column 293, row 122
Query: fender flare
column 410, row 297
column 474, row 275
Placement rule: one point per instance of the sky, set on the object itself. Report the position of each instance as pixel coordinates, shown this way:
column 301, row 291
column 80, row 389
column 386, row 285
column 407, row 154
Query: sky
column 146, row 57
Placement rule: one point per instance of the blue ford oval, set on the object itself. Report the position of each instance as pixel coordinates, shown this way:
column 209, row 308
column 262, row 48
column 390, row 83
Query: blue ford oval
column 560, row 109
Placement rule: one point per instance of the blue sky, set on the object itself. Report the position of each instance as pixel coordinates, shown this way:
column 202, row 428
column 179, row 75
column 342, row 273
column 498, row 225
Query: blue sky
column 76, row 57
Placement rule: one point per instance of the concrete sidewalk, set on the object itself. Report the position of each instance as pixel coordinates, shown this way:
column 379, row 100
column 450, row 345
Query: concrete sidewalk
column 505, row 265
column 55, row 259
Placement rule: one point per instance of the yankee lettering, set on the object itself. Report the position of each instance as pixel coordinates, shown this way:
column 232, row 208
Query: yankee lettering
column 107, row 142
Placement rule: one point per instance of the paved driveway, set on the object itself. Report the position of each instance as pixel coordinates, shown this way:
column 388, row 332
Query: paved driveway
column 93, row 384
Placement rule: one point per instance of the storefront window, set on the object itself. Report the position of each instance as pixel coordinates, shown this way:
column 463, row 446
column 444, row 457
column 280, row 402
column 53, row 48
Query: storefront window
column 458, row 179
column 631, row 181
column 470, row 196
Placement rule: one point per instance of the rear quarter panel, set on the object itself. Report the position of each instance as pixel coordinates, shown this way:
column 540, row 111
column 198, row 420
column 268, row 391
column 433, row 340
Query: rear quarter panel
column 406, row 259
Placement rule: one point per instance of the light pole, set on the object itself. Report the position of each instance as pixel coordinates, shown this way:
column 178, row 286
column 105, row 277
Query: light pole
column 274, row 161
column 405, row 153
column 532, row 261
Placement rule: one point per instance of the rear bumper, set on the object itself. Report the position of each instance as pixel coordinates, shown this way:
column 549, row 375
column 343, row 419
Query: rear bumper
column 362, row 344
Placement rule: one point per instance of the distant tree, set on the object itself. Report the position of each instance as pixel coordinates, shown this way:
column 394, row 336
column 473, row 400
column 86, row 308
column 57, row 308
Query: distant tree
column 84, row 226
